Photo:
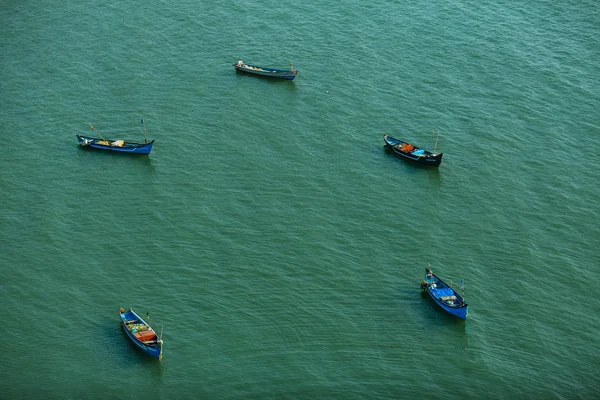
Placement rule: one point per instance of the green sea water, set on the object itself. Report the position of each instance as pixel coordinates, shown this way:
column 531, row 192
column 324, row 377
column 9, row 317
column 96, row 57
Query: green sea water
column 268, row 234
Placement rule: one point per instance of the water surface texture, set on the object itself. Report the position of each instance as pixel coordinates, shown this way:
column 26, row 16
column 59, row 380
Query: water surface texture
column 269, row 234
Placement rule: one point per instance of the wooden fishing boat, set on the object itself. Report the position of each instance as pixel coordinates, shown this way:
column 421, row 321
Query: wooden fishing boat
column 120, row 146
column 268, row 72
column 444, row 296
column 141, row 334
column 413, row 152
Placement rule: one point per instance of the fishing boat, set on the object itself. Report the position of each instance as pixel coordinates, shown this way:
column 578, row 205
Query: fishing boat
column 413, row 152
column 443, row 294
column 141, row 334
column 269, row 72
column 120, row 146
column 115, row 145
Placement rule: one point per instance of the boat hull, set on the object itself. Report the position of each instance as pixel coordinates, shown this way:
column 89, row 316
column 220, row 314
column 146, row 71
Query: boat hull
column 127, row 147
column 267, row 72
column 130, row 317
column 444, row 296
column 457, row 312
column 416, row 154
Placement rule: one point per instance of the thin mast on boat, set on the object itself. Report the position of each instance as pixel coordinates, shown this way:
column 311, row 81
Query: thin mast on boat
column 144, row 126
column 98, row 132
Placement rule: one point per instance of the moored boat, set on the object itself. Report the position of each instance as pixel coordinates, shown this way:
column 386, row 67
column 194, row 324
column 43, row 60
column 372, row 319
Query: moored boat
column 140, row 333
column 444, row 295
column 413, row 152
column 268, row 72
column 120, row 146
column 115, row 145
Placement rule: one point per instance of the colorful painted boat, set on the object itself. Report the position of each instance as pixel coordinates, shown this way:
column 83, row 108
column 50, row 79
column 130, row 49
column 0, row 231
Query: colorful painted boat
column 413, row 152
column 141, row 334
column 268, row 72
column 120, row 146
column 443, row 294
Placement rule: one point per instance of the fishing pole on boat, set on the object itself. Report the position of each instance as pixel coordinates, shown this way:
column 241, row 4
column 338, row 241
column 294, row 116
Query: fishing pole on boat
column 144, row 126
column 98, row 132
column 436, row 140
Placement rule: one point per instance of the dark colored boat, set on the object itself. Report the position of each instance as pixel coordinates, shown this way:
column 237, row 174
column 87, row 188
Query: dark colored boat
column 120, row 146
column 268, row 72
column 413, row 152
column 141, row 334
column 445, row 297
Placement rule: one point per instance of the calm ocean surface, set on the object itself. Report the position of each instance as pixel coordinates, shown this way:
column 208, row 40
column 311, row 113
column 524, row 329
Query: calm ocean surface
column 268, row 233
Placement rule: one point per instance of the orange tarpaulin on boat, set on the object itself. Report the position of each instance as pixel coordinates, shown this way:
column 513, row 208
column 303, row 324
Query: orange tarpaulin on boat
column 407, row 147
column 145, row 335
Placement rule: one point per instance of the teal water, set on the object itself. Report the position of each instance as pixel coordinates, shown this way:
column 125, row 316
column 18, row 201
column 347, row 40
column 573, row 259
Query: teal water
column 268, row 233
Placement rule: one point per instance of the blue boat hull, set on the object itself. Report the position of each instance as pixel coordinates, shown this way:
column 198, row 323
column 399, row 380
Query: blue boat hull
column 266, row 72
column 416, row 154
column 154, row 350
column 444, row 296
column 457, row 312
column 127, row 147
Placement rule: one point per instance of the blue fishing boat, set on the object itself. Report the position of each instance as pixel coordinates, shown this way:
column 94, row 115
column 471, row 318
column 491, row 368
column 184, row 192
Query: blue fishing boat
column 120, row 146
column 413, row 152
column 268, row 72
column 141, row 334
column 443, row 294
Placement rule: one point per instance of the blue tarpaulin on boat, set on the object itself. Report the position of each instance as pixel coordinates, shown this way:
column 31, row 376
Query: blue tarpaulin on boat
column 442, row 292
